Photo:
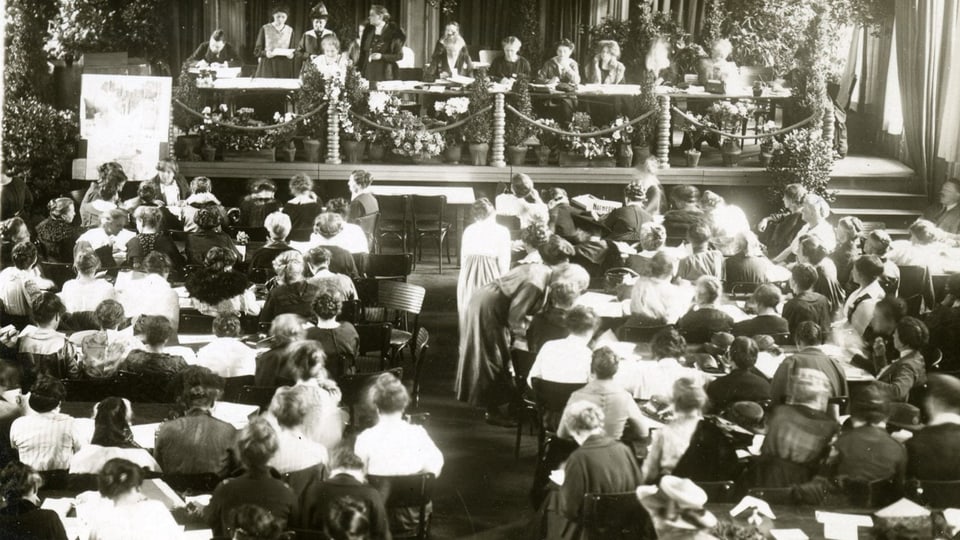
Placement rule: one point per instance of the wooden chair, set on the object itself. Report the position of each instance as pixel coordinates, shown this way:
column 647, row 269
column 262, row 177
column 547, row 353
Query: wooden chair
column 414, row 491
column 611, row 516
column 550, row 399
column 487, row 56
column 391, row 266
column 375, row 338
column 371, row 228
column 395, row 219
column 192, row 483
column 403, row 302
column 58, row 273
column 90, row 389
column 429, row 221
column 261, row 396
column 615, row 277
column 917, row 280
column 420, row 349
column 352, row 387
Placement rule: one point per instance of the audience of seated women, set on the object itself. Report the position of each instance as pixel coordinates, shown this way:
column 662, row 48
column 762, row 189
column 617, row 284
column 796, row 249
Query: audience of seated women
column 57, row 234
column 848, row 231
column 858, row 309
column 654, row 299
column 112, row 438
column 122, row 511
column 208, row 235
column 86, row 291
column 394, row 447
column 867, row 452
column 703, row 260
column 725, row 221
column 256, row 444
column 510, row 66
column 21, row 284
column 258, row 203
column 102, row 351
column 766, row 299
column 705, row 317
column 278, row 229
column 150, row 239
column 654, row 379
column 196, row 442
column 324, row 421
column 153, row 358
column 908, row 372
column 218, row 288
column 600, row 465
column 744, row 382
column 814, row 212
column 12, row 232
column 339, row 339
column 44, row 349
column 812, row 251
column 798, row 433
column 151, row 294
column 748, row 264
column 21, row 515
column 272, row 367
column 226, row 355
column 292, row 292
column 625, row 222
column 345, row 488
column 362, row 200
column 304, row 206
column 778, row 230
column 452, row 62
column 289, row 409
column 321, row 261
column 944, row 325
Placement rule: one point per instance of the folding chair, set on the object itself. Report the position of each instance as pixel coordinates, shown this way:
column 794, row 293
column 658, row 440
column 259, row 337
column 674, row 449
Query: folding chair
column 405, row 492
column 419, row 359
column 429, row 221
column 610, row 516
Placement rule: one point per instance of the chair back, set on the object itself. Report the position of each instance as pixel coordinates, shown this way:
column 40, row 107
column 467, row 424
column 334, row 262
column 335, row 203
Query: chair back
column 90, row 389
column 487, row 56
column 615, row 277
column 740, row 288
column 350, row 312
column 260, row 396
column 841, row 402
column 390, row 266
column 195, row 323
column 873, row 494
column 916, row 280
column 429, row 208
column 58, row 273
column 233, row 385
column 553, row 396
column 404, row 299
column 405, row 492
column 609, row 516
column 192, row 482
column 375, row 338
column 522, row 362
column 370, row 224
column 78, row 483
column 143, row 388
column 353, row 387
column 640, row 334
column 936, row 493
column 420, row 347
column 395, row 208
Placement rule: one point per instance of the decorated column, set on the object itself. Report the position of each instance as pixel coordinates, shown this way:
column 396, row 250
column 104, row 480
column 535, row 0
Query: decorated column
column 663, row 133
column 829, row 127
column 333, row 132
column 499, row 127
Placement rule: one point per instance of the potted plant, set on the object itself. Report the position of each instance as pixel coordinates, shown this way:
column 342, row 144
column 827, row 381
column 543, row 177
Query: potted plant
column 238, row 145
column 621, row 141
column 695, row 133
column 767, row 143
column 643, row 131
column 803, row 157
column 353, row 97
column 283, row 136
column 585, row 151
column 478, row 130
column 315, row 89
column 383, row 108
column 412, row 139
column 518, row 131
column 729, row 117
column 448, row 112
column 548, row 141
column 188, row 144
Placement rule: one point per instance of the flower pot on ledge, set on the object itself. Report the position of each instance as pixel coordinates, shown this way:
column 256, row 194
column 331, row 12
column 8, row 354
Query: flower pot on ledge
column 311, row 150
column 187, row 147
column 730, row 152
column 516, row 155
column 641, row 154
column 376, row 152
column 478, row 154
column 208, row 152
column 766, row 156
column 266, row 154
column 571, row 159
column 693, row 158
column 624, row 156
column 543, row 155
column 353, row 150
column 453, row 153
column 287, row 152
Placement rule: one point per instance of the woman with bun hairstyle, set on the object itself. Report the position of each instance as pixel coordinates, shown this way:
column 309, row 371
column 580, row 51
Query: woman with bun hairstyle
column 103, row 194
column 21, row 516
column 112, row 438
column 122, row 512
column 57, row 234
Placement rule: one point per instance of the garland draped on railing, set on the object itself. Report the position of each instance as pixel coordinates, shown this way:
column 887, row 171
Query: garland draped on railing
column 787, row 129
column 597, row 133
column 299, row 118
column 439, row 129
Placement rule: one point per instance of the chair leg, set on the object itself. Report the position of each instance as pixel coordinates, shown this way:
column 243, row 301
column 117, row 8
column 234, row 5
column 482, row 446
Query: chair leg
column 516, row 444
column 446, row 238
column 439, row 254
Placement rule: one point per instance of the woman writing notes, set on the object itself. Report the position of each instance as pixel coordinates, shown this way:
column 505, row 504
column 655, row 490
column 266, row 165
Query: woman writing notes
column 274, row 47
column 216, row 51
column 381, row 47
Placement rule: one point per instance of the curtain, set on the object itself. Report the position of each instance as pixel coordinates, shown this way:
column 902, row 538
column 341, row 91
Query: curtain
column 925, row 34
column 483, row 24
column 186, row 32
column 563, row 19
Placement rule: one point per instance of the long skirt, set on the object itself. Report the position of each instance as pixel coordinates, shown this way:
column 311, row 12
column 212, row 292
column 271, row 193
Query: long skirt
column 477, row 271
column 483, row 372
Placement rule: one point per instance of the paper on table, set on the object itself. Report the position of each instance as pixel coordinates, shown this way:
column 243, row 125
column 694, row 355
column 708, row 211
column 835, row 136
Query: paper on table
column 236, row 414
column 788, row 534
column 752, row 502
column 837, row 526
column 145, row 434
column 158, row 490
column 199, row 534
column 460, row 79
column 60, row 506
column 200, row 500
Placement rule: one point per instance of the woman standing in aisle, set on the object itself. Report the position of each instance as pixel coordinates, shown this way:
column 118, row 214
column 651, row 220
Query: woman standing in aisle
column 273, row 36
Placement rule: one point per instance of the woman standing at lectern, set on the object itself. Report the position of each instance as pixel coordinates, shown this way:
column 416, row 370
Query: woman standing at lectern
column 381, row 47
column 273, row 36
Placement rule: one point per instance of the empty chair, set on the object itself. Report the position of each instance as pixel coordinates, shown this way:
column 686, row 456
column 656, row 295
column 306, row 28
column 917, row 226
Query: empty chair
column 429, row 222
column 403, row 302
column 394, row 219
column 414, row 491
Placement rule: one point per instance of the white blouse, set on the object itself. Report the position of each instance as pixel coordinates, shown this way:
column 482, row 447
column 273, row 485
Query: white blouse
column 396, row 448
column 487, row 238
column 86, row 295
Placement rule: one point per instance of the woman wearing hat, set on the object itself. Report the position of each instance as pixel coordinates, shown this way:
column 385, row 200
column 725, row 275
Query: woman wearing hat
column 274, row 36
column 309, row 47
column 381, row 47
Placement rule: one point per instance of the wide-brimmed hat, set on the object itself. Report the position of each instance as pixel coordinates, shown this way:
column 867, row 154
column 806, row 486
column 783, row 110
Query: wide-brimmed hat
column 689, row 500
column 904, row 416
column 748, row 415
column 719, row 343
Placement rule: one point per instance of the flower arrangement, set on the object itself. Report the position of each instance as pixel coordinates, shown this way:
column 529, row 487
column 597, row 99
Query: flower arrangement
column 38, row 143
column 187, row 93
column 548, row 138
column 623, row 136
column 315, row 90
column 729, row 117
column 588, row 147
column 242, row 238
column 695, row 131
column 283, row 135
column 806, row 158
column 478, row 129
column 767, row 143
column 383, row 108
column 234, row 140
column 83, row 26
column 352, row 96
column 448, row 112
column 411, row 138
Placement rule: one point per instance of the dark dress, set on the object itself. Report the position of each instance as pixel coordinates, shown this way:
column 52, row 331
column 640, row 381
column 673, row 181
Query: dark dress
column 767, row 325
column 20, row 519
column 317, row 500
column 227, row 54
column 302, row 215
column 780, row 232
column 738, row 385
column 279, row 67
column 263, row 257
column 548, row 325
column 698, row 326
column 440, row 64
column 259, row 488
column 363, row 205
column 496, row 311
column 625, row 222
column 808, row 306
column 195, row 443
column 389, row 44
column 500, row 68
column 254, row 210
column 944, row 325
column 14, row 197
column 678, row 222
column 58, row 238
column 143, row 244
column 711, row 456
column 151, row 363
column 294, row 298
column 932, row 453
column 740, row 268
column 272, row 369
column 341, row 346
column 869, row 453
column 843, row 258
column 199, row 243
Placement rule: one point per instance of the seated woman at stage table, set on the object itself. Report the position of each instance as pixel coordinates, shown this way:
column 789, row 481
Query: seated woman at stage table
column 511, row 66
column 561, row 71
column 605, row 66
column 717, row 67
column 455, row 60
column 272, row 36
column 381, row 46
column 332, row 62
column 451, row 29
column 216, row 51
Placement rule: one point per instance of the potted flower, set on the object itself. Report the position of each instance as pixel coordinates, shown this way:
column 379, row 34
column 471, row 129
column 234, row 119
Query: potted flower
column 412, row 139
column 585, row 151
column 448, row 112
column 695, row 133
column 383, row 108
column 478, row 129
column 621, row 141
column 767, row 143
column 283, row 136
column 208, row 131
column 188, row 144
column 548, row 141
column 353, row 97
column 729, row 117
column 519, row 131
column 238, row 145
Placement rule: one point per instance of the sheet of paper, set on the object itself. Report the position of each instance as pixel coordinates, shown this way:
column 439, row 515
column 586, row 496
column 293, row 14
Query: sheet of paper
column 788, row 534
column 60, row 506
column 158, row 490
column 236, row 414
column 199, row 534
column 752, row 502
column 145, row 434
column 200, row 500
column 837, row 526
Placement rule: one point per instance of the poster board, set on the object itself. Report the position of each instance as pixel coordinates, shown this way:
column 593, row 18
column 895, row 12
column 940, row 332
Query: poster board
column 124, row 118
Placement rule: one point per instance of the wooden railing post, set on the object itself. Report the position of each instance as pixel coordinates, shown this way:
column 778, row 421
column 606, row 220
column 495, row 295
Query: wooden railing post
column 499, row 127
column 664, row 133
column 333, row 132
column 829, row 129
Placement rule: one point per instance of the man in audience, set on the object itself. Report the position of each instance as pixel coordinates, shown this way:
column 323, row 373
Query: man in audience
column 768, row 322
column 320, row 260
column 703, row 261
column 946, row 214
column 815, row 211
column 346, row 480
column 110, row 239
column 944, row 325
column 45, row 440
column 686, row 211
column 568, row 360
column 197, row 442
column 744, row 383
column 619, row 408
column 808, row 338
column 932, row 451
column 867, row 452
column 227, row 356
column 806, row 305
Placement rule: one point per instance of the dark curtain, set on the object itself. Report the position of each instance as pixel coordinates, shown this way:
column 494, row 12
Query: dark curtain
column 483, row 24
column 563, row 19
column 186, row 31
